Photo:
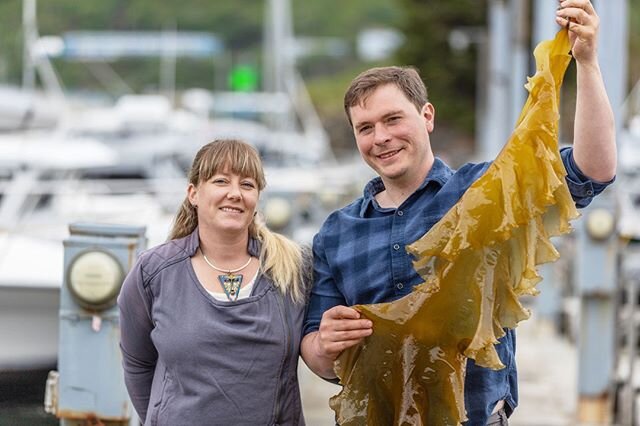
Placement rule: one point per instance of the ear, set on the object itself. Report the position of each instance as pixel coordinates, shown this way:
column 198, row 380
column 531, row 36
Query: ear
column 429, row 114
column 192, row 194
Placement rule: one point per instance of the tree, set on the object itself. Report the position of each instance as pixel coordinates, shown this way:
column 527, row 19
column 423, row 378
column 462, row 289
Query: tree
column 450, row 75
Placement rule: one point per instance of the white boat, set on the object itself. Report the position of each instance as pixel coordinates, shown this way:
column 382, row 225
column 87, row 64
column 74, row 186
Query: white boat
column 39, row 196
column 26, row 110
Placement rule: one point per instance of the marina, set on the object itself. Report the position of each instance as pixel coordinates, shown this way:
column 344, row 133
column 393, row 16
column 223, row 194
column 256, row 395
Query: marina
column 124, row 161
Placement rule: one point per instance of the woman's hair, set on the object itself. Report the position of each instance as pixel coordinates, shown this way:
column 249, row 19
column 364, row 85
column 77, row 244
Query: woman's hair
column 280, row 258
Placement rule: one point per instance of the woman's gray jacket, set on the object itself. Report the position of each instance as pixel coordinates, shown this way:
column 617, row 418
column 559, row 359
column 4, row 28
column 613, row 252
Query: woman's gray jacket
column 190, row 359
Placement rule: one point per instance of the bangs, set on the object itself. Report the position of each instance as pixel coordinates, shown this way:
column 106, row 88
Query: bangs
column 231, row 156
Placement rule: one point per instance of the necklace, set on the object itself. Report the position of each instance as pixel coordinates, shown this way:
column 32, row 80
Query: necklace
column 230, row 281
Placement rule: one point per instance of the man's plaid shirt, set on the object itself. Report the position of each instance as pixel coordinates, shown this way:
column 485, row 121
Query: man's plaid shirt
column 360, row 258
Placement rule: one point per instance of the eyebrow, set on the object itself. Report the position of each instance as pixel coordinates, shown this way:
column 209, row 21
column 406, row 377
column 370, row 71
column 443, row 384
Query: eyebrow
column 228, row 174
column 385, row 116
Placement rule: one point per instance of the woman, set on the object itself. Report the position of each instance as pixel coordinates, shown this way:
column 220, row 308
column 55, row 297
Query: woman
column 211, row 319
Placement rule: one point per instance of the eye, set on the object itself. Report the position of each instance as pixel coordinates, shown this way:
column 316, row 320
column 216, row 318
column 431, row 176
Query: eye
column 364, row 130
column 219, row 181
column 248, row 184
column 393, row 119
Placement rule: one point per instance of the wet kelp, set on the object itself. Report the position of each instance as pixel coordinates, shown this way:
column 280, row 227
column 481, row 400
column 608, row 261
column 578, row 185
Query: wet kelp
column 476, row 262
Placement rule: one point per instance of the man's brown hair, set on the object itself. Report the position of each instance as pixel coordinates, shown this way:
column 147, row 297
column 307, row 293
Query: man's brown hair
column 406, row 79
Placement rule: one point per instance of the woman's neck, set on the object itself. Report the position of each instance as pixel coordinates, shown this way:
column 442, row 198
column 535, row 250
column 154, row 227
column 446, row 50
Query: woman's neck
column 227, row 249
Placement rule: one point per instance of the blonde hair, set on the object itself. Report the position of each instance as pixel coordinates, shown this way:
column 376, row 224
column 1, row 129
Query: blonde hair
column 280, row 258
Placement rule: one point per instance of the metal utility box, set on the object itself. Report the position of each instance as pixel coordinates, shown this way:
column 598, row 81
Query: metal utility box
column 89, row 384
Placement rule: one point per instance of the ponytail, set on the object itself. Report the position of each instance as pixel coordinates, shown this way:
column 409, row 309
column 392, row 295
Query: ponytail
column 185, row 221
column 282, row 260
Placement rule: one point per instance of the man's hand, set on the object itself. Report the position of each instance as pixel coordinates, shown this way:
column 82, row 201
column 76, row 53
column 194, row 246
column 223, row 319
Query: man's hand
column 583, row 23
column 340, row 328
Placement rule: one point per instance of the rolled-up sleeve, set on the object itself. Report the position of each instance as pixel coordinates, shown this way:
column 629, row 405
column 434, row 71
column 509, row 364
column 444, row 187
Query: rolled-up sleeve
column 324, row 293
column 139, row 354
column 582, row 188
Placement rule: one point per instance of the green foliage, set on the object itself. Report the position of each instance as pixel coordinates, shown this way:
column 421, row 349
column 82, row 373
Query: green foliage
column 634, row 41
column 450, row 76
column 10, row 40
column 344, row 18
column 238, row 23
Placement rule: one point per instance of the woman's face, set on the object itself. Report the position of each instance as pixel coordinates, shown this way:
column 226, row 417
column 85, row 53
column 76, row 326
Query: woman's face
column 226, row 202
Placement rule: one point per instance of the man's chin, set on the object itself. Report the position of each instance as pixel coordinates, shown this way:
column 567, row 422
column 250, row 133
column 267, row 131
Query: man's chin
column 391, row 174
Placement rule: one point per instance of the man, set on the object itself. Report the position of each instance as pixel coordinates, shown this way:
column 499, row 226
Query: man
column 359, row 255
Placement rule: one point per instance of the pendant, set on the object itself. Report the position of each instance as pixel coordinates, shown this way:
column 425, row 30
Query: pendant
column 231, row 285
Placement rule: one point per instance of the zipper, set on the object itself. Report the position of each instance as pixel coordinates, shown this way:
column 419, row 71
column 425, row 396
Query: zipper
column 158, row 406
column 288, row 351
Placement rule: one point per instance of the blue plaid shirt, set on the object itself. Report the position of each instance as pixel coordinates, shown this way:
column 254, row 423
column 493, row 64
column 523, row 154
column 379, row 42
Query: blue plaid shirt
column 360, row 258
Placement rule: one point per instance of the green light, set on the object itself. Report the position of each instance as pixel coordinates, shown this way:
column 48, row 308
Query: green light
column 243, row 78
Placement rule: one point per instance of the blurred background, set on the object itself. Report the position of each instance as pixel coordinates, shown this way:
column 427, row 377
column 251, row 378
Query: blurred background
column 103, row 105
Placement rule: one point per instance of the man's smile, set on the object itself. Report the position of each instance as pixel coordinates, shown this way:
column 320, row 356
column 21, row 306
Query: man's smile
column 388, row 154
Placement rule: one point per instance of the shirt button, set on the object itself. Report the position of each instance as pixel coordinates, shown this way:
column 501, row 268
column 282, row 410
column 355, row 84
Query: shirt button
column 396, row 246
column 400, row 286
column 400, row 212
column 589, row 192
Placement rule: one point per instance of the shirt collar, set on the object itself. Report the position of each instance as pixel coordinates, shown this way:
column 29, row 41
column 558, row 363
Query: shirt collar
column 439, row 173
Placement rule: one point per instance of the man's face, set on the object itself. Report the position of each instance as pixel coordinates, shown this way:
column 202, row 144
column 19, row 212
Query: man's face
column 393, row 136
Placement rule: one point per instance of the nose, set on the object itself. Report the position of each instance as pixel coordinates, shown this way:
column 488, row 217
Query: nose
column 381, row 135
column 234, row 192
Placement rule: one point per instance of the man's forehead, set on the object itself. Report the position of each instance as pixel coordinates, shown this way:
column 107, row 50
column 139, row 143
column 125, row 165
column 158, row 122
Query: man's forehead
column 388, row 91
column 387, row 99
